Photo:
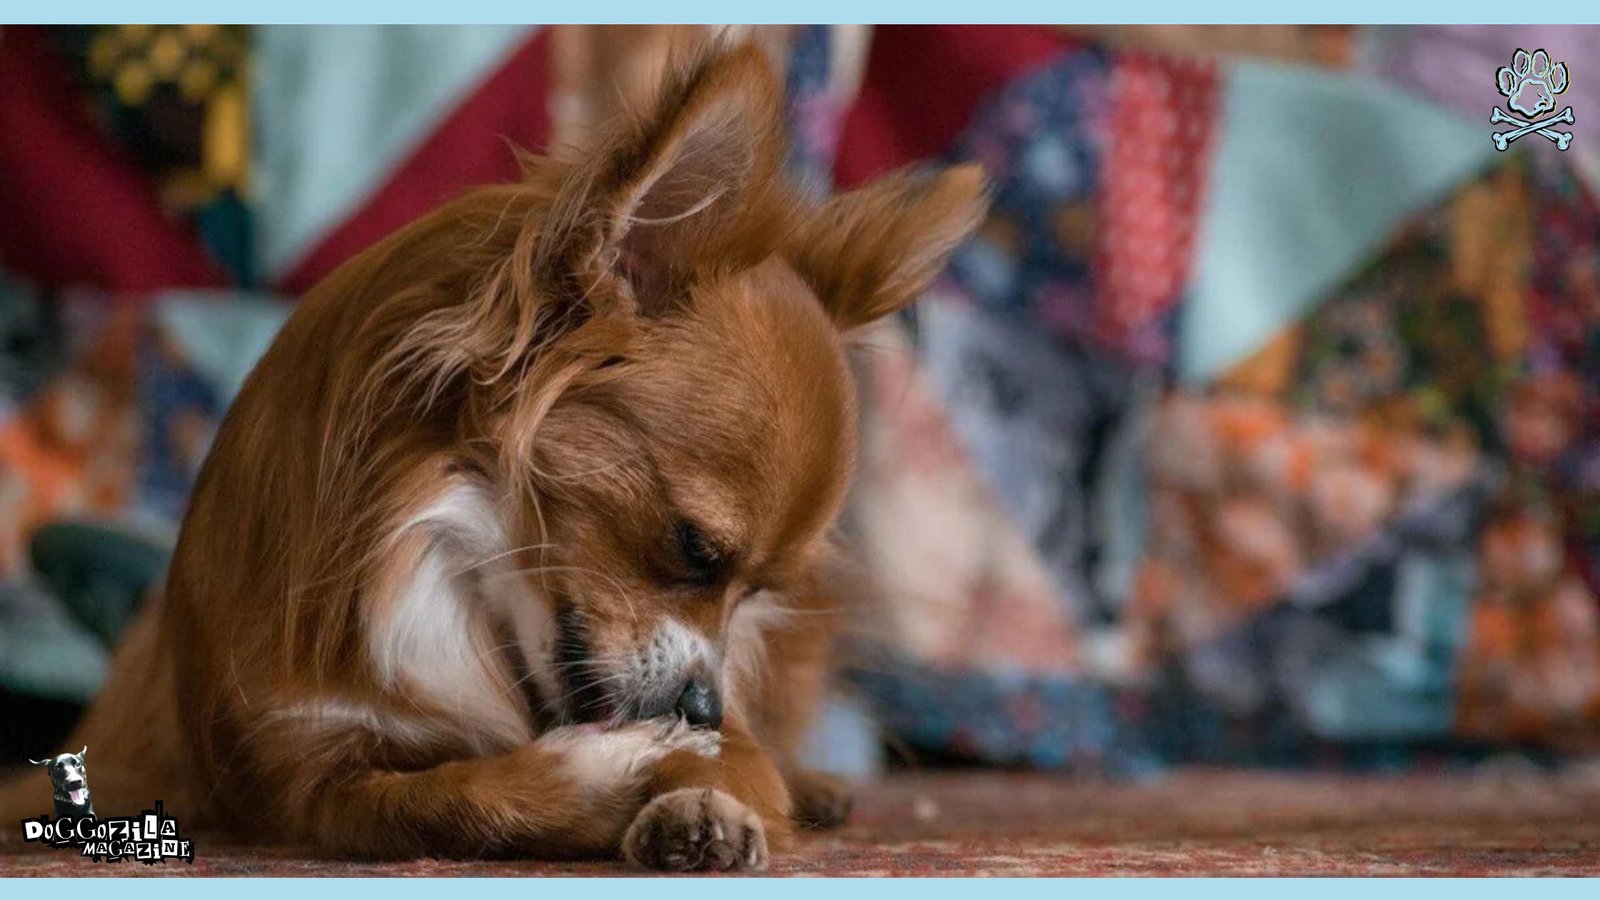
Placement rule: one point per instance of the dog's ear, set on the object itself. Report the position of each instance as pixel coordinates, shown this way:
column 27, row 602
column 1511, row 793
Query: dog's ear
column 870, row 252
column 40, row 762
column 694, row 176
column 84, row 752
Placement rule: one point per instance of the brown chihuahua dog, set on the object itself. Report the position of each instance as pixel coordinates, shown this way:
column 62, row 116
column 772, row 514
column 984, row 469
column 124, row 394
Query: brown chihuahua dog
column 514, row 541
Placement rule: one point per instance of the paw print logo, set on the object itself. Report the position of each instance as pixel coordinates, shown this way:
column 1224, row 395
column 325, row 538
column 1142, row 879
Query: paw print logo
column 1530, row 85
column 1532, row 82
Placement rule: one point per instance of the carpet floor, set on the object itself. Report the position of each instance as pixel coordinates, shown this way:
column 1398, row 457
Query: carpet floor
column 995, row 823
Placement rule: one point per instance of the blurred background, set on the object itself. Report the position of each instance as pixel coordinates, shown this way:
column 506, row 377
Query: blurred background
column 1259, row 425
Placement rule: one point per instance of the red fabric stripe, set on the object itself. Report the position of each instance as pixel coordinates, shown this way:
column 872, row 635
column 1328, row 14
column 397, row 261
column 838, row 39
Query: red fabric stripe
column 73, row 208
column 924, row 82
column 1154, row 179
column 470, row 147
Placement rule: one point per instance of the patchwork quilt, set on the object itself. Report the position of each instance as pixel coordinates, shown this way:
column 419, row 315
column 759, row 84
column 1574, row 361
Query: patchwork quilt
column 1260, row 422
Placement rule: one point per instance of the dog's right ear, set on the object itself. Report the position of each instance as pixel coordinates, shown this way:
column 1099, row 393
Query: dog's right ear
column 695, row 176
column 870, row 252
column 40, row 762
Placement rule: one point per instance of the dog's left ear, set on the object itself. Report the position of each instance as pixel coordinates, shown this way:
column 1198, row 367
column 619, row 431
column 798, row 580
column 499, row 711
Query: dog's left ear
column 696, row 176
column 84, row 752
column 872, row 251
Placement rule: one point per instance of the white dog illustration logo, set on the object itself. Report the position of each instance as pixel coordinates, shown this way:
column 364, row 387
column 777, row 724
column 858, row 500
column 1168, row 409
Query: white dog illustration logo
column 69, row 777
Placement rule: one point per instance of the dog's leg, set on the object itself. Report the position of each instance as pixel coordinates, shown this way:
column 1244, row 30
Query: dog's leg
column 795, row 677
column 821, row 801
column 568, row 794
column 706, row 814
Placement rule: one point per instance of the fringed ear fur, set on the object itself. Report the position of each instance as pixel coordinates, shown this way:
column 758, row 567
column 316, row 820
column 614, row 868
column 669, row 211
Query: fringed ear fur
column 872, row 251
column 696, row 177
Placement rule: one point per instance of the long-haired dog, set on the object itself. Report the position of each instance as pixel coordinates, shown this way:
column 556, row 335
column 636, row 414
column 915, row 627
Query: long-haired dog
column 515, row 541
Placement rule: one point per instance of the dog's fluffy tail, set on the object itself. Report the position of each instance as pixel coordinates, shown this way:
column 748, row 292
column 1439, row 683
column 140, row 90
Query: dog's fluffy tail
column 135, row 746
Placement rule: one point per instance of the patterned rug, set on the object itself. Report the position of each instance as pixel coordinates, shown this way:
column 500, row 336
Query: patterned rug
column 1195, row 823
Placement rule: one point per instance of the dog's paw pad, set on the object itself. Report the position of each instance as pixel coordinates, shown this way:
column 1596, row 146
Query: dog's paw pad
column 820, row 801
column 696, row 830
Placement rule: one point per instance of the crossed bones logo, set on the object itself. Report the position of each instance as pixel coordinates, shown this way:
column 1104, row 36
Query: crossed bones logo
column 1530, row 85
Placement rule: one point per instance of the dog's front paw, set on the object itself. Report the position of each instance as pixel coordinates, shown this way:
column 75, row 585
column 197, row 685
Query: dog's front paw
column 820, row 800
column 696, row 830
column 622, row 758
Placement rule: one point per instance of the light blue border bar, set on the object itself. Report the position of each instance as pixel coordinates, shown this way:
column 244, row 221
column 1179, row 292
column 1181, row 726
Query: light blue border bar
column 832, row 11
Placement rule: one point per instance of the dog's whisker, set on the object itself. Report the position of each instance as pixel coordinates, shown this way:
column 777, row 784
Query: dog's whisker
column 478, row 564
column 577, row 690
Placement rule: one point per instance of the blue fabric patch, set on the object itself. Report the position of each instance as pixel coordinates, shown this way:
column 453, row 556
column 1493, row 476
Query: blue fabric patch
column 1312, row 171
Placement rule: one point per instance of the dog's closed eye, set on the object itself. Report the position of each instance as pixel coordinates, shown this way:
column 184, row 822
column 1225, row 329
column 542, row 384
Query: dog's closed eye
column 702, row 560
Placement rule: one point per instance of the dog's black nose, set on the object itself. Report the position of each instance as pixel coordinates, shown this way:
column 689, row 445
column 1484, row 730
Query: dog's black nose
column 700, row 705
